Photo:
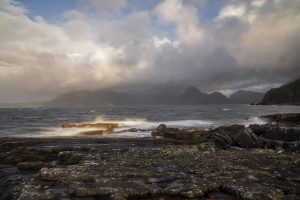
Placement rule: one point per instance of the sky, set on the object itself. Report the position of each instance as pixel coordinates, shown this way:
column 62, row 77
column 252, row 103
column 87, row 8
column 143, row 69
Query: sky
column 51, row 47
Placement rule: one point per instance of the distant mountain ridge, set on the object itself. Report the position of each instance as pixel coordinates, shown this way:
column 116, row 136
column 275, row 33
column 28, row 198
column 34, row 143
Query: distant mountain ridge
column 286, row 94
column 247, row 97
column 191, row 96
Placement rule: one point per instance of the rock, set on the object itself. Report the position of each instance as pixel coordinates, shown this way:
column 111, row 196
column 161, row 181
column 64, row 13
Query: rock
column 259, row 129
column 220, row 196
column 283, row 134
column 222, row 140
column 133, row 130
column 228, row 130
column 172, row 133
column 107, row 127
column 246, row 138
column 30, row 166
column 157, row 134
column 95, row 132
column 284, row 118
column 161, row 127
column 68, row 158
column 194, row 136
column 90, row 125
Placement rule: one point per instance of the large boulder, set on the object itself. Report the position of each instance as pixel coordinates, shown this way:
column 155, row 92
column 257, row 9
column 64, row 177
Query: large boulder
column 179, row 134
column 283, row 134
column 228, row 130
column 221, row 140
column 246, row 138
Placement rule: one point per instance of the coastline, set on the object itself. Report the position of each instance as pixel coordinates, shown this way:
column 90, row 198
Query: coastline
column 150, row 168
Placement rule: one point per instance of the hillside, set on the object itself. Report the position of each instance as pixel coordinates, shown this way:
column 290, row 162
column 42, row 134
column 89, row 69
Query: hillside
column 286, row 94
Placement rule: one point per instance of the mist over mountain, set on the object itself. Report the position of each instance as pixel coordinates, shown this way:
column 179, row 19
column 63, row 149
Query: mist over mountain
column 190, row 96
column 193, row 95
column 246, row 97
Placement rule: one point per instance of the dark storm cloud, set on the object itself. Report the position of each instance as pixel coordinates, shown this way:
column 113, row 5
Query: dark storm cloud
column 249, row 44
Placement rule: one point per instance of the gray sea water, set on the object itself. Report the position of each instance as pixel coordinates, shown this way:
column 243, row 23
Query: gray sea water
column 45, row 122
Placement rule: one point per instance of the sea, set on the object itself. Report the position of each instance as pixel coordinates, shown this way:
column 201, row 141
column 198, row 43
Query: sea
column 46, row 122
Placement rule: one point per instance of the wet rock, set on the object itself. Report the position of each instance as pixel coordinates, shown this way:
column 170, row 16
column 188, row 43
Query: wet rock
column 30, row 165
column 246, row 138
column 222, row 140
column 95, row 132
column 220, row 196
column 172, row 133
column 180, row 134
column 259, row 129
column 228, row 130
column 69, row 158
column 288, row 118
column 133, row 130
column 161, row 127
column 283, row 134
column 150, row 169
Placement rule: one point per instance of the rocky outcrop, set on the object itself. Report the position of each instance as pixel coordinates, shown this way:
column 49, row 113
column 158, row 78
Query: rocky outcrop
column 256, row 136
column 101, row 128
column 179, row 134
column 144, row 169
column 286, row 94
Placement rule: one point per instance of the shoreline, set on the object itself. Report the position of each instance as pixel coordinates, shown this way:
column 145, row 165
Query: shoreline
column 229, row 163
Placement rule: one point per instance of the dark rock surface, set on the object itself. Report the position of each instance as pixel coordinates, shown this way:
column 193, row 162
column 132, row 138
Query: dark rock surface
column 143, row 169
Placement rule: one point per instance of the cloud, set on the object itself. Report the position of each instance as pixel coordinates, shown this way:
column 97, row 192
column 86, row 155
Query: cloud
column 185, row 17
column 248, row 44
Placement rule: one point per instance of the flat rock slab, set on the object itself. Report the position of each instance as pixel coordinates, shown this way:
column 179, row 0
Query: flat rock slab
column 143, row 169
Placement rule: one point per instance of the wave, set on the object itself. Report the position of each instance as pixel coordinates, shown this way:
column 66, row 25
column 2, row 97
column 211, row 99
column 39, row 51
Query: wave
column 254, row 120
column 143, row 126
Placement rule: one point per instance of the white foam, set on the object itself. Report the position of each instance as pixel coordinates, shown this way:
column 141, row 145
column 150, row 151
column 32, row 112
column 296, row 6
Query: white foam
column 61, row 132
column 254, row 120
column 144, row 126
column 225, row 109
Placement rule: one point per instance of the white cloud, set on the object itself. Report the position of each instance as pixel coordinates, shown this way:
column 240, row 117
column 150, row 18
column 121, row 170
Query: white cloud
column 250, row 45
column 237, row 11
column 185, row 17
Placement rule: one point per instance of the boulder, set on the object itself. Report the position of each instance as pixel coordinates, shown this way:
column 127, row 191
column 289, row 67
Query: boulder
column 222, row 140
column 161, row 127
column 30, row 166
column 246, row 138
column 286, row 118
column 90, row 133
column 133, row 130
column 228, row 130
column 194, row 136
column 283, row 134
column 259, row 129
column 68, row 158
column 172, row 133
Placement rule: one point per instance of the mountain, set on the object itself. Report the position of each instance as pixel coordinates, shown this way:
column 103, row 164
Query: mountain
column 90, row 99
column 193, row 95
column 246, row 97
column 286, row 94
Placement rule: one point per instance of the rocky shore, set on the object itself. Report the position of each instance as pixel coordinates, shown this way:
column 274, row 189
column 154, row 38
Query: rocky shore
column 232, row 162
